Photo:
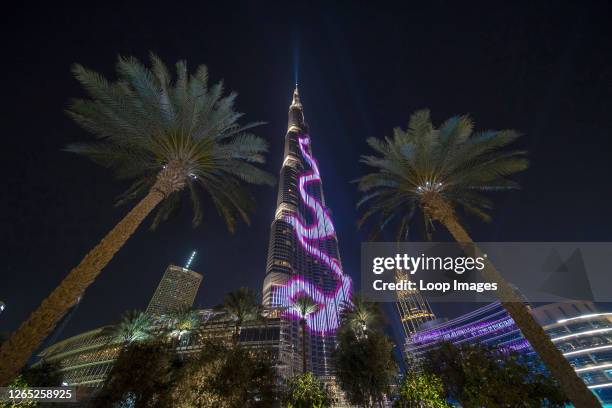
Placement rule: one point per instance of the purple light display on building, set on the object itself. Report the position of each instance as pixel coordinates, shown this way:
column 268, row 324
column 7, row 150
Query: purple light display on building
column 471, row 330
column 325, row 319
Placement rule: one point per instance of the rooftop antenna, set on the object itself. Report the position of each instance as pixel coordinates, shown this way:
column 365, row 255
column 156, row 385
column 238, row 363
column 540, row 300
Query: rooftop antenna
column 190, row 260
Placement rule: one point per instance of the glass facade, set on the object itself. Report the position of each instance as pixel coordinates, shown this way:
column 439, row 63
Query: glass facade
column 176, row 290
column 303, row 255
column 582, row 333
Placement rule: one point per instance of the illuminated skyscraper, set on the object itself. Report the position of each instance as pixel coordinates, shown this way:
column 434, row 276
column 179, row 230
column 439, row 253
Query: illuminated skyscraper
column 176, row 290
column 412, row 307
column 303, row 256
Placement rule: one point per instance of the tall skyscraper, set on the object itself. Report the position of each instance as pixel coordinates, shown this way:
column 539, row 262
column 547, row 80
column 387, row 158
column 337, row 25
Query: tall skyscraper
column 412, row 307
column 303, row 255
column 176, row 290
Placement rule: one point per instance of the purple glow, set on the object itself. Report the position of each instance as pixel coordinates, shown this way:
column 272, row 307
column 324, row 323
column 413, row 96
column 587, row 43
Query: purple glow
column 472, row 330
column 325, row 319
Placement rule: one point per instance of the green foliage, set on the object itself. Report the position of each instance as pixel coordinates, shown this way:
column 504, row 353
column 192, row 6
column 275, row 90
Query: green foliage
column 304, row 306
column 476, row 375
column 241, row 306
column 134, row 326
column 147, row 119
column 181, row 323
column 142, row 375
column 18, row 383
column 306, row 391
column 225, row 377
column 365, row 366
column 450, row 161
column 422, row 390
column 361, row 315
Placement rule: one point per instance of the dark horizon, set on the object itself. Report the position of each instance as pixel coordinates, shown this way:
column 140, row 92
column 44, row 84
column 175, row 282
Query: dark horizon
column 539, row 68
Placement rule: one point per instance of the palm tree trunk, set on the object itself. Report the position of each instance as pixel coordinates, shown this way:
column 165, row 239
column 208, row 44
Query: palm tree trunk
column 303, row 325
column 573, row 386
column 15, row 352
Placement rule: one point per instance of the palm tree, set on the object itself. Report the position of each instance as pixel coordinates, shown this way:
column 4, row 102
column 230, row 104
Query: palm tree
column 436, row 170
column 304, row 306
column 134, row 326
column 360, row 316
column 241, row 306
column 166, row 135
column 180, row 323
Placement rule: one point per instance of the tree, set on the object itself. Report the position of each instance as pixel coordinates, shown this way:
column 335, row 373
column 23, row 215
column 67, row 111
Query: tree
column 225, row 377
column 166, row 135
column 44, row 374
column 361, row 315
column 141, row 376
column 240, row 306
column 134, row 326
column 477, row 375
column 436, row 171
column 18, row 383
column 304, row 306
column 422, row 390
column 306, row 391
column 365, row 366
column 181, row 323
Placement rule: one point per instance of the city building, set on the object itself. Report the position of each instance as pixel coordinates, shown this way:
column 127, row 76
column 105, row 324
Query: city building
column 490, row 325
column 303, row 255
column 578, row 329
column 412, row 307
column 176, row 290
column 584, row 335
column 87, row 358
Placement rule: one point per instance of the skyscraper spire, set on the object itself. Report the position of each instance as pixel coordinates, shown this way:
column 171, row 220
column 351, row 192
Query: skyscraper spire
column 296, row 114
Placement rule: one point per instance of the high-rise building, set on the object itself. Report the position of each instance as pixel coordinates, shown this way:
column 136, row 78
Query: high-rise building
column 578, row 329
column 413, row 308
column 176, row 290
column 303, row 255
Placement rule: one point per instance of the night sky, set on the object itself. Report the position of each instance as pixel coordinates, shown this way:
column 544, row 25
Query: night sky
column 542, row 68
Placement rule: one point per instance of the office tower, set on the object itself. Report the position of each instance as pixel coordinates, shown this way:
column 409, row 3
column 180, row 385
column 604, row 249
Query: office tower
column 303, row 255
column 176, row 290
column 412, row 307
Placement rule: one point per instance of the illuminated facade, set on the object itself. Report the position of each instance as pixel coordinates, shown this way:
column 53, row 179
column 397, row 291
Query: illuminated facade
column 303, row 256
column 584, row 335
column 578, row 329
column 413, row 308
column 490, row 325
column 176, row 290
column 86, row 359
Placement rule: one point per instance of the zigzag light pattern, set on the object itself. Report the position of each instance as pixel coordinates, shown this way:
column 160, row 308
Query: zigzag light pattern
column 325, row 320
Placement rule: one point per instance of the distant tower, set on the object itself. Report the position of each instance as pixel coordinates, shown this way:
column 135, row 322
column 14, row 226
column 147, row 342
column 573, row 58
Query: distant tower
column 2, row 306
column 303, row 255
column 176, row 290
column 412, row 307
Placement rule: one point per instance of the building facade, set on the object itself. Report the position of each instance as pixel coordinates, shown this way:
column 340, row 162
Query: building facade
column 412, row 307
column 176, row 290
column 303, row 256
column 86, row 359
column 584, row 335
column 578, row 329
